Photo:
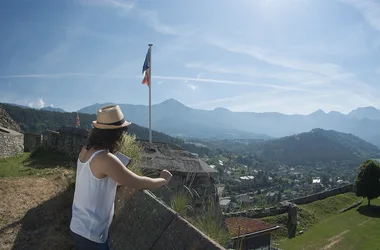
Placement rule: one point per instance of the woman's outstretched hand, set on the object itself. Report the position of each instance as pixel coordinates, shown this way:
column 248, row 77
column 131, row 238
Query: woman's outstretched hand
column 165, row 174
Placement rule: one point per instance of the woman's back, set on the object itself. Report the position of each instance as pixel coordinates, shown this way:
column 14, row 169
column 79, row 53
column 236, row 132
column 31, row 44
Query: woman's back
column 93, row 205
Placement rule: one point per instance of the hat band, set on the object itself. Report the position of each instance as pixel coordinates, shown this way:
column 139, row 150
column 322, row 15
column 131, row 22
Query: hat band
column 121, row 122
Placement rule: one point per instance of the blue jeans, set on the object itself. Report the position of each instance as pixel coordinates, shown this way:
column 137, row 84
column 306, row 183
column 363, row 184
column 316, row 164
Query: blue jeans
column 82, row 243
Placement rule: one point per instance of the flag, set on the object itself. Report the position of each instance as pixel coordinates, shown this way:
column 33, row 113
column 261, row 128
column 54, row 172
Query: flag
column 78, row 121
column 146, row 69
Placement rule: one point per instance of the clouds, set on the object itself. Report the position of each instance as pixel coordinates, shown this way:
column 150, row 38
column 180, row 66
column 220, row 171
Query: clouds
column 120, row 4
column 293, row 56
column 37, row 104
column 192, row 86
column 369, row 9
column 228, row 82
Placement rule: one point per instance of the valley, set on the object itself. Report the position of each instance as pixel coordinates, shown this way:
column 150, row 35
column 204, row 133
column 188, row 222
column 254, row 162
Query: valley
column 254, row 172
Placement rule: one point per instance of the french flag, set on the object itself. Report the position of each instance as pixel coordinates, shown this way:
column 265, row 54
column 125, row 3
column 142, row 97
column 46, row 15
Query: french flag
column 146, row 69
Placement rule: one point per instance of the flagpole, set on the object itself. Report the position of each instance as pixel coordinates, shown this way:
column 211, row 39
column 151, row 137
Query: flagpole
column 150, row 92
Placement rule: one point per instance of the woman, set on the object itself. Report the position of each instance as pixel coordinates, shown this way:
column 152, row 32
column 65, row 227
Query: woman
column 98, row 173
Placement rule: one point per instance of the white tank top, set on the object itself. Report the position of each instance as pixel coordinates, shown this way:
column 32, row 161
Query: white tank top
column 93, row 205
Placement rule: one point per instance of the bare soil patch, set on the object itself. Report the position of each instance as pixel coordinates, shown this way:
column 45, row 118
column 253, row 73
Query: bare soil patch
column 335, row 240
column 35, row 212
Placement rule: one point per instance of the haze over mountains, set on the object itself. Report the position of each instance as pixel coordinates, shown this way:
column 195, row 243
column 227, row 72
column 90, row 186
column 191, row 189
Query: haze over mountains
column 176, row 119
column 306, row 149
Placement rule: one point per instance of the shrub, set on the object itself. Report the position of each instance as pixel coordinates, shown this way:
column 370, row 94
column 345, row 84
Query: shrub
column 211, row 225
column 180, row 202
column 130, row 148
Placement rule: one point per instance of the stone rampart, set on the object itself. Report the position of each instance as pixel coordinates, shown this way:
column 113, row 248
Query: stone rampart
column 31, row 141
column 11, row 142
column 264, row 212
column 323, row 195
column 66, row 140
column 143, row 222
column 259, row 212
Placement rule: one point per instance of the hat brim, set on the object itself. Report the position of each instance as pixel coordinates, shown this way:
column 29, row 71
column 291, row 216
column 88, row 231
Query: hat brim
column 105, row 126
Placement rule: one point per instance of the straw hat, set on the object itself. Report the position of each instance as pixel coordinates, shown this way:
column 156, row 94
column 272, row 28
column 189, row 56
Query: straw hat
column 110, row 117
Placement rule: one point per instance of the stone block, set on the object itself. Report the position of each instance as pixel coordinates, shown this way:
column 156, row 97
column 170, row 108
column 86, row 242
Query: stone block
column 180, row 234
column 143, row 222
column 139, row 220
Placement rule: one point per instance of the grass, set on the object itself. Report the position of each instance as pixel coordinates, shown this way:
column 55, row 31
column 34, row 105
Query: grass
column 211, row 226
column 206, row 221
column 357, row 228
column 180, row 202
column 27, row 164
column 312, row 213
column 41, row 162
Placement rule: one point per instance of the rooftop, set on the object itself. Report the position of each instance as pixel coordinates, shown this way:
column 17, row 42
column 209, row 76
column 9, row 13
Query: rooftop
column 240, row 226
column 316, row 180
column 224, row 202
column 250, row 177
column 158, row 156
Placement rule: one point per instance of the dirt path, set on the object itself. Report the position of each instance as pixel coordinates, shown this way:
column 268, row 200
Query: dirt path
column 364, row 222
column 27, row 203
column 335, row 240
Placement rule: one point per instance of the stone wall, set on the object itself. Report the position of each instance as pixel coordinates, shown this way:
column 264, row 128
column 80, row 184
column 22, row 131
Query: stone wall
column 259, row 212
column 11, row 142
column 66, row 140
column 283, row 207
column 143, row 222
column 31, row 141
column 323, row 195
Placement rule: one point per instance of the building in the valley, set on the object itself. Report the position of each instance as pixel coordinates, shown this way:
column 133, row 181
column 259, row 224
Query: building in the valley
column 243, row 199
column 225, row 205
column 250, row 234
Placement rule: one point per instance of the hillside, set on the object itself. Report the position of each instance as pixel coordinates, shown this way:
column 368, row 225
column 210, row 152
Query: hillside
column 318, row 145
column 355, row 229
column 176, row 119
column 33, row 120
column 53, row 109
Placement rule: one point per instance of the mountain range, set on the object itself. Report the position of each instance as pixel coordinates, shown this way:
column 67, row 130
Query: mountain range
column 308, row 148
column 176, row 119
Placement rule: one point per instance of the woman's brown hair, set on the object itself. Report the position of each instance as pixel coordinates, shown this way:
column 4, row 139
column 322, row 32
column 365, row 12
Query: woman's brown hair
column 105, row 139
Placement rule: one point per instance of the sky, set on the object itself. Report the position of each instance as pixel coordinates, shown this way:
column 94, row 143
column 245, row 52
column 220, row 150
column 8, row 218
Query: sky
column 293, row 57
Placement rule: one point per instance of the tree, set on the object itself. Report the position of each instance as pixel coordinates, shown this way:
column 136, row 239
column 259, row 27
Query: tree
column 367, row 183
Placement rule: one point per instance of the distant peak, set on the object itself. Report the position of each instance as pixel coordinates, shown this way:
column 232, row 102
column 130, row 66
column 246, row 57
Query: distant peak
column 221, row 109
column 368, row 108
column 171, row 101
column 319, row 112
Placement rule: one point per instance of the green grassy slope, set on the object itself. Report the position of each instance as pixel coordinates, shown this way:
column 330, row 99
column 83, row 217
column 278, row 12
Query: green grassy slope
column 357, row 228
column 313, row 213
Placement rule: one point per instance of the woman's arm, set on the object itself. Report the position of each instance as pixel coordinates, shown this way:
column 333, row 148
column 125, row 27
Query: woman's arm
column 112, row 167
